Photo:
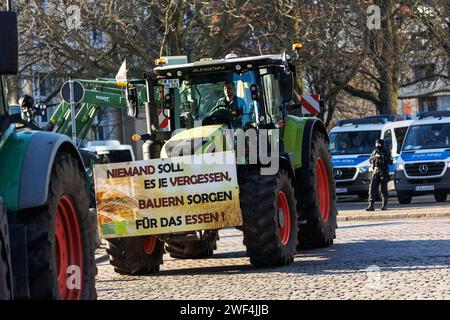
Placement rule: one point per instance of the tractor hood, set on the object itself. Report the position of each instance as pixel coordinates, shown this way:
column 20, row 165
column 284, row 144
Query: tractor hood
column 206, row 139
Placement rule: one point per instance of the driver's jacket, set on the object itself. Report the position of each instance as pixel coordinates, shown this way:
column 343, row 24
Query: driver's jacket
column 237, row 104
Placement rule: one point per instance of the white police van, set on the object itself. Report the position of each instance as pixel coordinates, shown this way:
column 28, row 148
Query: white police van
column 351, row 143
column 423, row 165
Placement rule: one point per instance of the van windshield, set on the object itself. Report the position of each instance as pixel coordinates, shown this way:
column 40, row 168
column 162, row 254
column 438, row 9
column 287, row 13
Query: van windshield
column 430, row 136
column 354, row 142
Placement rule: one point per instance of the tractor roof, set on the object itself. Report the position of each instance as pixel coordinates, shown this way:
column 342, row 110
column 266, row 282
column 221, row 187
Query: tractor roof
column 219, row 65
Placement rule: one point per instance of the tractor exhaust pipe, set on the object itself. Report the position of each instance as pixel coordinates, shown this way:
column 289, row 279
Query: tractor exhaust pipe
column 151, row 149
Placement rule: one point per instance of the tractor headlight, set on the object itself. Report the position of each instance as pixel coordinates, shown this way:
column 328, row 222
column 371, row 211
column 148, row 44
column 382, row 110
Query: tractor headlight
column 363, row 169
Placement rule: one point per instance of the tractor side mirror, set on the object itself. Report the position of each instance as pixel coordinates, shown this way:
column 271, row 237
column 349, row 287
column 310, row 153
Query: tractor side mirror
column 131, row 96
column 286, row 86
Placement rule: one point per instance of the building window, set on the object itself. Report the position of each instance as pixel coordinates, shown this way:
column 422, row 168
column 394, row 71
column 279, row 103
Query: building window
column 42, row 85
column 428, row 104
column 44, row 6
column 96, row 37
column 42, row 78
column 424, row 71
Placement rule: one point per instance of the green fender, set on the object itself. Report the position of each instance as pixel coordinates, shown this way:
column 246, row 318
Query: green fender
column 26, row 159
column 298, row 132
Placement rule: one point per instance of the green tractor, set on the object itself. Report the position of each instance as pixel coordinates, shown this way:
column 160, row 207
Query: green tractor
column 47, row 235
column 291, row 208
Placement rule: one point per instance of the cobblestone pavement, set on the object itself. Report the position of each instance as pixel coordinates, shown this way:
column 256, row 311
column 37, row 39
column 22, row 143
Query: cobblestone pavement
column 393, row 259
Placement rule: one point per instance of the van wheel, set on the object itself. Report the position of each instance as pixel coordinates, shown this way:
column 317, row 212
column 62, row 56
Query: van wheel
column 440, row 196
column 404, row 198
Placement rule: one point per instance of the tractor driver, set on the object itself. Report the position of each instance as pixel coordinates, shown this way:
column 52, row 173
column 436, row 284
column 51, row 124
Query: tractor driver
column 231, row 103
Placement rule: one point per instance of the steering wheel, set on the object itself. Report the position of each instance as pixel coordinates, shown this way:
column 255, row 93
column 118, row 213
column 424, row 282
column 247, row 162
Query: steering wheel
column 218, row 115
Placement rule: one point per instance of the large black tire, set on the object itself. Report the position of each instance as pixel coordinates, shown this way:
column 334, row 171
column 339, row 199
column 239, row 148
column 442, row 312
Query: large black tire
column 5, row 263
column 404, row 198
column 259, row 196
column 128, row 256
column 185, row 248
column 440, row 196
column 5, row 282
column 320, row 229
column 66, row 184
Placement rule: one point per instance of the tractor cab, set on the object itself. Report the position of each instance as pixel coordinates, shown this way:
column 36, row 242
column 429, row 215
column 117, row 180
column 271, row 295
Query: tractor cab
column 236, row 92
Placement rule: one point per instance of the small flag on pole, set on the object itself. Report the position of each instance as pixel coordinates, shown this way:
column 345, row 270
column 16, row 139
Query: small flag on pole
column 121, row 77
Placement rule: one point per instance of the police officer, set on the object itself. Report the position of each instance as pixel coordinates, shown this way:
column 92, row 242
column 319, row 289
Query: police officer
column 380, row 160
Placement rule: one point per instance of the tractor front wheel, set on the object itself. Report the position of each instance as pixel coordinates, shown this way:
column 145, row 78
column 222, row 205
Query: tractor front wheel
column 60, row 237
column 318, row 194
column 270, row 218
column 135, row 255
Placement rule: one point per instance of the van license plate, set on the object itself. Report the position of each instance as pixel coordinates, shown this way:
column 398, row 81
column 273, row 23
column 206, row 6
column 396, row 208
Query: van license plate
column 341, row 190
column 424, row 188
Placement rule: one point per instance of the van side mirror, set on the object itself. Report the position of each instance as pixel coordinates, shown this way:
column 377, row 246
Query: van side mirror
column 9, row 43
column 131, row 97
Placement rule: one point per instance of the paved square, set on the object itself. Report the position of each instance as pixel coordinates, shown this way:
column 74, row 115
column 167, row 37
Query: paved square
column 389, row 259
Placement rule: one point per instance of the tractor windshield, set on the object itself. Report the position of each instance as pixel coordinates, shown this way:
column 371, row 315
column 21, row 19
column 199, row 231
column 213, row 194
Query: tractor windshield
column 353, row 142
column 211, row 98
column 431, row 136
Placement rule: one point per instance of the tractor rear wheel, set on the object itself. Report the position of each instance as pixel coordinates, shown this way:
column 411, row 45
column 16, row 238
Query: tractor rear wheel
column 60, row 237
column 5, row 266
column 135, row 255
column 185, row 248
column 318, row 195
column 5, row 283
column 270, row 218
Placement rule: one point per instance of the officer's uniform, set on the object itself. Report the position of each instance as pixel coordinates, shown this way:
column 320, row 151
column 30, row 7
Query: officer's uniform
column 380, row 160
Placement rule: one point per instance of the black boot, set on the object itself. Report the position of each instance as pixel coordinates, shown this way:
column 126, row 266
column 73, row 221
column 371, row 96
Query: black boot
column 384, row 207
column 371, row 207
